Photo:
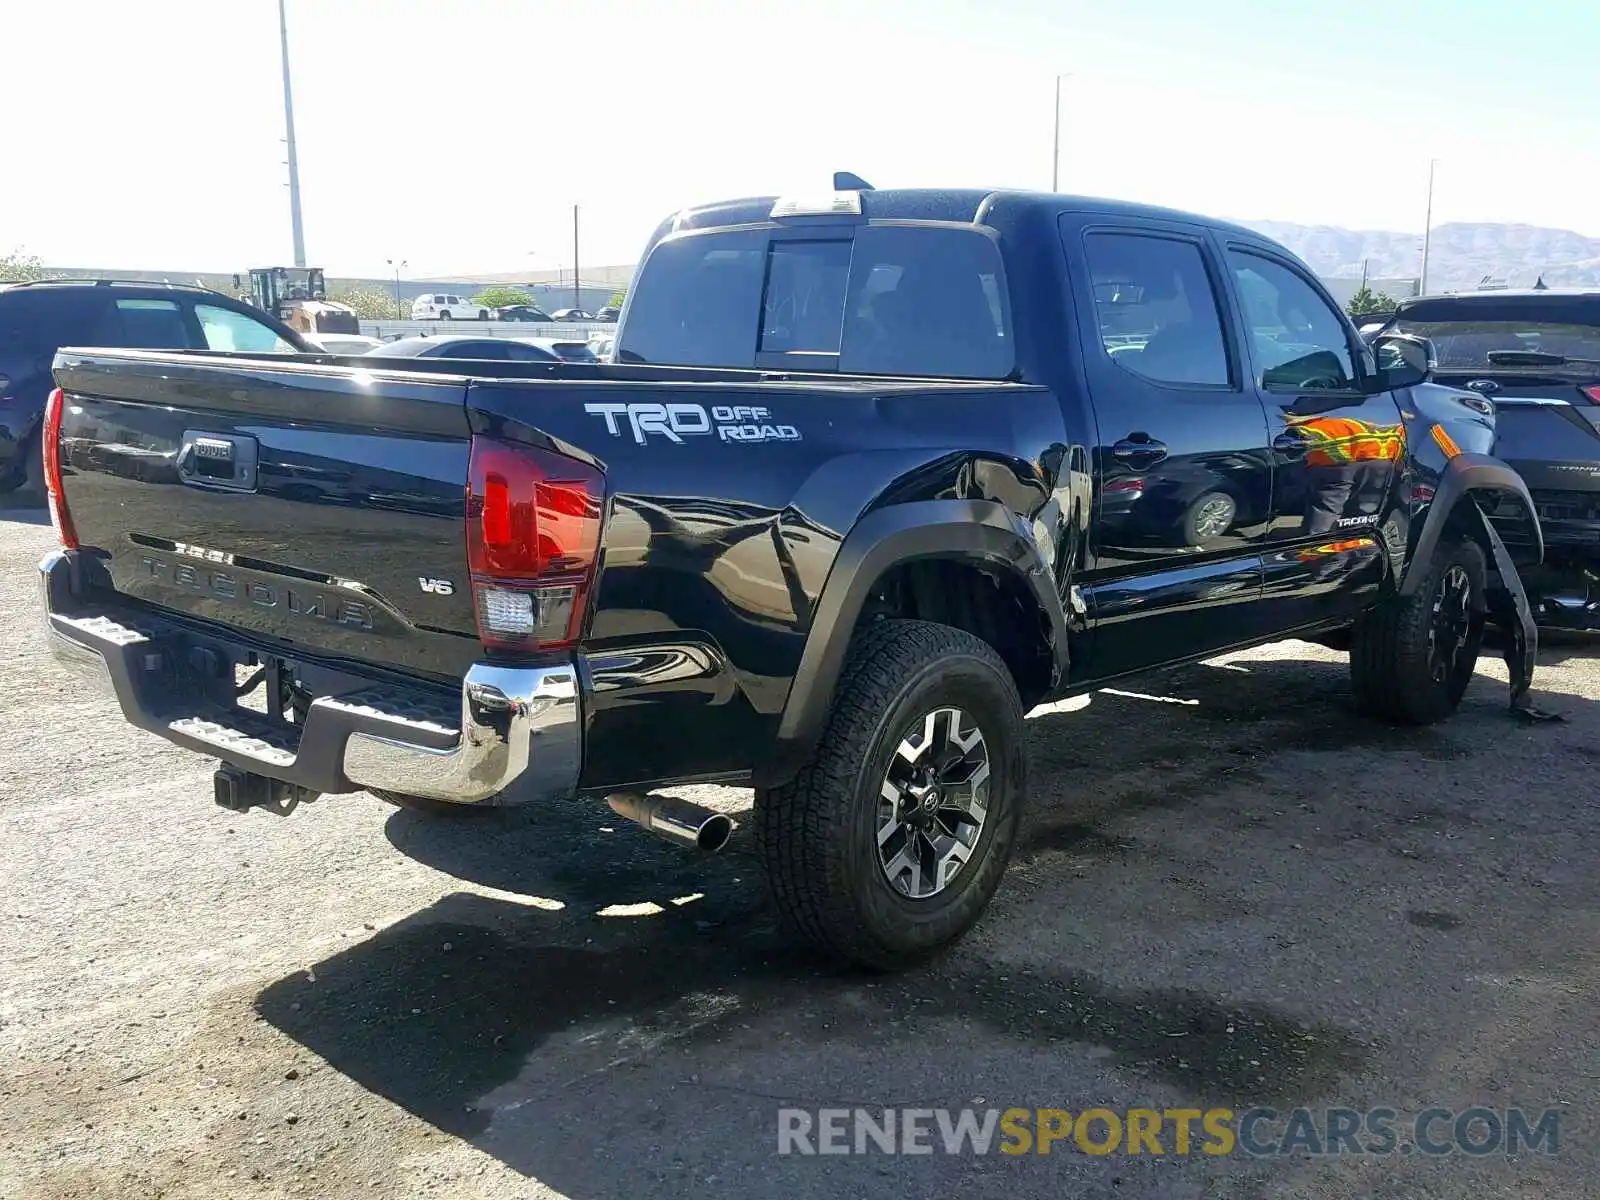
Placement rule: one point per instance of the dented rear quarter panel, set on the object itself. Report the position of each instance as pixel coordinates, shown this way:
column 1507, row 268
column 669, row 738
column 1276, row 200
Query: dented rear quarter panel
column 716, row 549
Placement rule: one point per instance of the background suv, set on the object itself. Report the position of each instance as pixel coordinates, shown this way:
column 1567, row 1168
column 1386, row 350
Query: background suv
column 36, row 319
column 437, row 306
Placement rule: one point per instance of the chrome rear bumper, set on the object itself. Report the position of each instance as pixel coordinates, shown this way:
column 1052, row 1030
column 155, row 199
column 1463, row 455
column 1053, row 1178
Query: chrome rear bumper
column 515, row 737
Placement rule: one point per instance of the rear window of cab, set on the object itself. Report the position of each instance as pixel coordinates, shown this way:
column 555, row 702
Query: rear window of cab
column 906, row 300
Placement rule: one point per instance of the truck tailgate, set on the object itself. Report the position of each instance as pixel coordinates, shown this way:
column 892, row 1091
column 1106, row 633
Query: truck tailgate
column 320, row 511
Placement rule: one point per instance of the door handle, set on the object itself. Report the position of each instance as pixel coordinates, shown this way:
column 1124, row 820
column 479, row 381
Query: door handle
column 1291, row 443
column 1143, row 452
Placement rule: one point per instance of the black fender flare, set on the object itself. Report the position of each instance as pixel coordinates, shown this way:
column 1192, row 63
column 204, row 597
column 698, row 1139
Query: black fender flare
column 1462, row 474
column 981, row 532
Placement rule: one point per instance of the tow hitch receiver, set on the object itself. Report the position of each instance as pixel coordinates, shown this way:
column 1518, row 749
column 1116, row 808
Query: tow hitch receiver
column 239, row 791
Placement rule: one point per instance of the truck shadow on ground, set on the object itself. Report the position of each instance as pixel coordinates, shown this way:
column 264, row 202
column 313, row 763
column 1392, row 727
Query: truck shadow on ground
column 536, row 1049
column 617, row 973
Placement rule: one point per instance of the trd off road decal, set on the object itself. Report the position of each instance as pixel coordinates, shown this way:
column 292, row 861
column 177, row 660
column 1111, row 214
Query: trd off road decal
column 675, row 422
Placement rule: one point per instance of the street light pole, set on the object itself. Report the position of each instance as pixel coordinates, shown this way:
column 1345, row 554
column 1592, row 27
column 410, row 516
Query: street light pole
column 577, row 294
column 399, row 313
column 288, row 139
column 1427, row 231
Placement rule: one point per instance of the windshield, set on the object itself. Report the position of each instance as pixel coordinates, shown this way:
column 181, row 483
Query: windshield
column 1466, row 345
column 915, row 300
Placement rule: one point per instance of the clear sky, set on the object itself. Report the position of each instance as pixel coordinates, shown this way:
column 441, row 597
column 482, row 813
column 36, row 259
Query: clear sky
column 457, row 134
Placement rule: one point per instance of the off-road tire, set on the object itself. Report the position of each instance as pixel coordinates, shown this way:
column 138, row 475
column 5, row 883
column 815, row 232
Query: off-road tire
column 1389, row 663
column 817, row 833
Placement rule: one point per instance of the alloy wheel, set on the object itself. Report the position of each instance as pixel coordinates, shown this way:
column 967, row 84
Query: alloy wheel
column 933, row 803
column 1450, row 623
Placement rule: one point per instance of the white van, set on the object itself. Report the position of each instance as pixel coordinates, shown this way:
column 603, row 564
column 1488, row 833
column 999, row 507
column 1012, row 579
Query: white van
column 436, row 306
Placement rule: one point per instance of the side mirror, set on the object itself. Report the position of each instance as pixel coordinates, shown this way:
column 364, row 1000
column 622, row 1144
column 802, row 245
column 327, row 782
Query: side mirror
column 1403, row 361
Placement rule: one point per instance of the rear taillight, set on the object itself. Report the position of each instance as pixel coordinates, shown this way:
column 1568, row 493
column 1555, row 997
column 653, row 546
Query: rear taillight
column 50, row 447
column 533, row 539
column 1593, row 393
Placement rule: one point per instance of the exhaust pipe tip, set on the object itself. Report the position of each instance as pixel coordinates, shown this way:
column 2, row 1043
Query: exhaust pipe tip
column 714, row 834
column 681, row 821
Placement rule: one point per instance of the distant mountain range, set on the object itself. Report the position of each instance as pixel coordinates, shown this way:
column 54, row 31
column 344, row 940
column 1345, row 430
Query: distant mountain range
column 1461, row 255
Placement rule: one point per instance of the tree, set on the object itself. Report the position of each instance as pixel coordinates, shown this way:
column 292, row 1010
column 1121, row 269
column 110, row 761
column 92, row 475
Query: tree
column 616, row 299
column 18, row 267
column 369, row 303
column 1367, row 301
column 501, row 297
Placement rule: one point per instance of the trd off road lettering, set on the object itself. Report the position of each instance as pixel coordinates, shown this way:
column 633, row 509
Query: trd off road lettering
column 730, row 422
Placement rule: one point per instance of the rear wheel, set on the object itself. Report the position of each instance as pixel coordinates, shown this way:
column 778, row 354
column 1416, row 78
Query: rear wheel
column 444, row 316
column 890, row 842
column 1412, row 658
column 483, row 314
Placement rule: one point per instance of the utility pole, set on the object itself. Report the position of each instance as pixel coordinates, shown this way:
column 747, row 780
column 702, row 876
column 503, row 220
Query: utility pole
column 1427, row 231
column 288, row 138
column 577, row 294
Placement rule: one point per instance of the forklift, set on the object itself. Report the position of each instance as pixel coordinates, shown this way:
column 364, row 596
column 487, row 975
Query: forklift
column 298, row 296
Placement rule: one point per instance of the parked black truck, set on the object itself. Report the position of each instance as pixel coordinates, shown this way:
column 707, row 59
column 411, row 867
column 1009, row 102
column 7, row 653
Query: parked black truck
column 869, row 478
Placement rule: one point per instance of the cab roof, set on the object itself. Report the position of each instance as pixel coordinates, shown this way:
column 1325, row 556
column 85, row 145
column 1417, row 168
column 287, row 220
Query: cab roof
column 960, row 205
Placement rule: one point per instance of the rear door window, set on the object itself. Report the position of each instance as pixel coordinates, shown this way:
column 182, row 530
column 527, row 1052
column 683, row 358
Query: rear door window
column 891, row 300
column 144, row 325
column 1156, row 308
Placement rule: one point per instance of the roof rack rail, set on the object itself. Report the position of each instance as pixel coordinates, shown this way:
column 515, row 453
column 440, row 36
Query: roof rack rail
column 83, row 280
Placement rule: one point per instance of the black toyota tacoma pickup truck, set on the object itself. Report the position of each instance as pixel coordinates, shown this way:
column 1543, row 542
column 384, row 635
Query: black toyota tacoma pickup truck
column 869, row 477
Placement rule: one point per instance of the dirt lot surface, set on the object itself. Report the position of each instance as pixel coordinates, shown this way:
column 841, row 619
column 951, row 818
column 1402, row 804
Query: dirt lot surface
column 1234, row 892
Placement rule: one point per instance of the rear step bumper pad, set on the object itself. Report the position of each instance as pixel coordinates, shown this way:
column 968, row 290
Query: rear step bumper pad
column 517, row 725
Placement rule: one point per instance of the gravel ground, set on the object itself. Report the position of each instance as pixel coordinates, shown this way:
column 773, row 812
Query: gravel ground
column 1233, row 892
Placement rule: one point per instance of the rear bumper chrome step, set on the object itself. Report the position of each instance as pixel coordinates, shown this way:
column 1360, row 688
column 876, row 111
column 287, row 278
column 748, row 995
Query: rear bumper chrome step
column 510, row 726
